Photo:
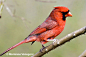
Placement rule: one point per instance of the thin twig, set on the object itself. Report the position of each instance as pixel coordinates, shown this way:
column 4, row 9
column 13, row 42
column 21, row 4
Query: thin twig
column 1, row 7
column 7, row 8
column 13, row 14
column 61, row 41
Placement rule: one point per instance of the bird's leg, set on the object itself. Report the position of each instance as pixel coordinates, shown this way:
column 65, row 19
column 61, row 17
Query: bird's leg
column 43, row 47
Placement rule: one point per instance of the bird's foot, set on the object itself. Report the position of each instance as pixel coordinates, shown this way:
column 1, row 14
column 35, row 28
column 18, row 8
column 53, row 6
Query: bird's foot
column 43, row 47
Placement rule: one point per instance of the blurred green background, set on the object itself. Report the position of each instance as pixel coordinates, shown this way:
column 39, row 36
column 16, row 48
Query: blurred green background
column 14, row 30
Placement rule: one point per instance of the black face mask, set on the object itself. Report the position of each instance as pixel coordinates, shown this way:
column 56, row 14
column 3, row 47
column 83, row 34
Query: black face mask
column 64, row 13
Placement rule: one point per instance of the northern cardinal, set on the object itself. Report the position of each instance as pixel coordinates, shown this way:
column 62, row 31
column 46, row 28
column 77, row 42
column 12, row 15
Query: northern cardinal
column 49, row 29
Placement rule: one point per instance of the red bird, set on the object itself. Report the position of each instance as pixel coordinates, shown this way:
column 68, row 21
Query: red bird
column 49, row 29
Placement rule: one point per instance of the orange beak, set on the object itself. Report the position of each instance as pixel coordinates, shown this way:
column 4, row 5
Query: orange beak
column 69, row 14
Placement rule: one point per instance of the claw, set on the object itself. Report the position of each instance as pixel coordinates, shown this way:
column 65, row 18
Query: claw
column 43, row 47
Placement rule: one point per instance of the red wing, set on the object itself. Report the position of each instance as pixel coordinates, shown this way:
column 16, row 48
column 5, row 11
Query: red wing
column 38, row 30
column 46, row 25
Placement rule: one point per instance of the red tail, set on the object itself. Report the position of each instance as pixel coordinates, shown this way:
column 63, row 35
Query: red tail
column 27, row 40
column 13, row 47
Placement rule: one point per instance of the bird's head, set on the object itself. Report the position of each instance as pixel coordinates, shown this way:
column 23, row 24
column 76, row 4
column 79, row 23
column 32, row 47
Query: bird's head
column 64, row 10
column 61, row 11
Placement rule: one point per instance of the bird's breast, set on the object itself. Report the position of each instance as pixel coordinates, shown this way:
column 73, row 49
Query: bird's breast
column 59, row 28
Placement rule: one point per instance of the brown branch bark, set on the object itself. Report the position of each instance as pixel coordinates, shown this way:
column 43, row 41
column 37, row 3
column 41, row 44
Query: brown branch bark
column 83, row 54
column 61, row 41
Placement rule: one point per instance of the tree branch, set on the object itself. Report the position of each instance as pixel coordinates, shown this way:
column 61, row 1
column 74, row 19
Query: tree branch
column 61, row 41
column 83, row 54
